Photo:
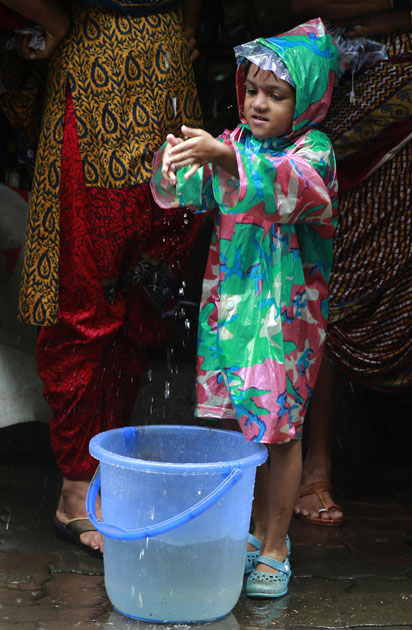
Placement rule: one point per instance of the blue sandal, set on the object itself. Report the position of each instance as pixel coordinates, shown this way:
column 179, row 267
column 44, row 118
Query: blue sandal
column 252, row 556
column 268, row 585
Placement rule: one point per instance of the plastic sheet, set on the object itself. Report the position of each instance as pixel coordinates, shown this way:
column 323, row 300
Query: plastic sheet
column 264, row 58
column 356, row 53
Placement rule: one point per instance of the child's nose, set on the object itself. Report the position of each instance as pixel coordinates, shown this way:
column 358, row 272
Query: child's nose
column 260, row 100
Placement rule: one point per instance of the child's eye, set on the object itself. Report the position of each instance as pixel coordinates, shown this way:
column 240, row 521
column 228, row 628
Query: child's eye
column 276, row 97
column 250, row 91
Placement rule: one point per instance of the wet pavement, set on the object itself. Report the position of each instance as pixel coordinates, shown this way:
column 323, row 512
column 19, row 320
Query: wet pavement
column 355, row 576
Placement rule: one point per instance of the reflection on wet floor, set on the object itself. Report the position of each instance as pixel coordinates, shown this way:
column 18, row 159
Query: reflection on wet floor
column 117, row 621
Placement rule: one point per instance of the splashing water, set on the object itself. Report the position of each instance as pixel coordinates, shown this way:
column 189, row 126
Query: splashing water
column 167, row 390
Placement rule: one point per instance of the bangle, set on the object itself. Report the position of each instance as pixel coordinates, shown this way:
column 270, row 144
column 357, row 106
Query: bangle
column 49, row 34
column 401, row 5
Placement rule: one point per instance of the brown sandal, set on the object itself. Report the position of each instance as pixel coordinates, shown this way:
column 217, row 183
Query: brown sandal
column 319, row 488
column 70, row 532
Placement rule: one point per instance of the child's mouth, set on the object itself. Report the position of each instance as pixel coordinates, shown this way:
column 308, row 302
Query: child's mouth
column 259, row 119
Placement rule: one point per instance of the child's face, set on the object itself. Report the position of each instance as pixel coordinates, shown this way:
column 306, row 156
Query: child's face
column 269, row 103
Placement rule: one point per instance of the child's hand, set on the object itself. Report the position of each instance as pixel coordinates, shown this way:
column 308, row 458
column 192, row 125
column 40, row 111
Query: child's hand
column 197, row 150
column 167, row 170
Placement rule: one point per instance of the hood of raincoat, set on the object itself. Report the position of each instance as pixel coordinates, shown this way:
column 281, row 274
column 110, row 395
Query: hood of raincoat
column 308, row 60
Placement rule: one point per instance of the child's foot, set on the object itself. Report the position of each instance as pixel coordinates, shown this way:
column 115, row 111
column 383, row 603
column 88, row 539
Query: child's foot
column 269, row 579
column 252, row 554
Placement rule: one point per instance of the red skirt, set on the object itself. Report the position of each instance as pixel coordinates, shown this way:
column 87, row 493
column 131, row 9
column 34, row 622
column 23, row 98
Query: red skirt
column 92, row 360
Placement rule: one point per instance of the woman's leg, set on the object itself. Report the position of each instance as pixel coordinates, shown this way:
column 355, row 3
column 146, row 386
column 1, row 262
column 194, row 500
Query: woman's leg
column 317, row 465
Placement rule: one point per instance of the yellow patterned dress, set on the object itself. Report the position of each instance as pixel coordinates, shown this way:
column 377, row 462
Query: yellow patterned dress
column 131, row 82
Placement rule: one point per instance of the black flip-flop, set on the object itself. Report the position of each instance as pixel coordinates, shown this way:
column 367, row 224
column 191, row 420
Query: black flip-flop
column 70, row 532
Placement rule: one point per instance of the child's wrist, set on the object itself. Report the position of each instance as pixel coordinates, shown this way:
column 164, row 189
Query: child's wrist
column 221, row 152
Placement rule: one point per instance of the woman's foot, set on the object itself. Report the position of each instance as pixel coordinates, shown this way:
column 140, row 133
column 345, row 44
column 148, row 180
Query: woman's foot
column 72, row 505
column 315, row 502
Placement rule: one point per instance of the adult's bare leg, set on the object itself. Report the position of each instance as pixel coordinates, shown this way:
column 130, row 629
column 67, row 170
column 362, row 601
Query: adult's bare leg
column 317, row 465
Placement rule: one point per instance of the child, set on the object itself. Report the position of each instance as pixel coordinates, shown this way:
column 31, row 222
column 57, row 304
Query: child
column 264, row 305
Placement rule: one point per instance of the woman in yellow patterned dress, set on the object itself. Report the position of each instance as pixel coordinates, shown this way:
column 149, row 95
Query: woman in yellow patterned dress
column 101, row 258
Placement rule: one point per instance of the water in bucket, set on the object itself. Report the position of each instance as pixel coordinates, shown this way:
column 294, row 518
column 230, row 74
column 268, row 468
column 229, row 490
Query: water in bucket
column 176, row 503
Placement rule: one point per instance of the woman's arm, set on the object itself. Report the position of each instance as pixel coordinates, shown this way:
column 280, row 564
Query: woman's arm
column 374, row 17
column 191, row 10
column 50, row 15
column 339, row 9
column 45, row 12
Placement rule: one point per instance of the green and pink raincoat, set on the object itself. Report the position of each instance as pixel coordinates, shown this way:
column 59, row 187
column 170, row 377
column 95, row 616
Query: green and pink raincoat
column 264, row 306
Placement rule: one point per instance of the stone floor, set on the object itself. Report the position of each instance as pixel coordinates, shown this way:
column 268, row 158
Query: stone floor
column 355, row 576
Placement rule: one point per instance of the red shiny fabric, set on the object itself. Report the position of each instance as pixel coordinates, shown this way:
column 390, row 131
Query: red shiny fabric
column 92, row 360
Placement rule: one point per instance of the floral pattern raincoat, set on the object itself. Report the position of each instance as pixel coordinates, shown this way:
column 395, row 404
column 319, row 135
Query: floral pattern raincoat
column 264, row 306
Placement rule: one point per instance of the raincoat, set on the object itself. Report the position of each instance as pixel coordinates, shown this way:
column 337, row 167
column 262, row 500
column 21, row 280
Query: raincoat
column 264, row 305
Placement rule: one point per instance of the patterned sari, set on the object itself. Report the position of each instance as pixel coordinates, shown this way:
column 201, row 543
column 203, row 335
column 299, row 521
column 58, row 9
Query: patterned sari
column 370, row 318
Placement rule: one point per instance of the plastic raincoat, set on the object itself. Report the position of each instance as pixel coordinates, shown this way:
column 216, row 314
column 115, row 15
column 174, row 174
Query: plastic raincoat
column 264, row 306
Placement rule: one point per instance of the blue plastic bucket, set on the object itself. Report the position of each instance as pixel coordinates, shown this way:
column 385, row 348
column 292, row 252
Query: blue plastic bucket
column 176, row 506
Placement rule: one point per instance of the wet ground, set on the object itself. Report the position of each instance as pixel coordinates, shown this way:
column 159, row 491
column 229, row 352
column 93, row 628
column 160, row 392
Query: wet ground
column 355, row 576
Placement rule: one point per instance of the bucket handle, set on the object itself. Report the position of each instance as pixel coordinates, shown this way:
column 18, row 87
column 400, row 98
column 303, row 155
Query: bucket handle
column 118, row 533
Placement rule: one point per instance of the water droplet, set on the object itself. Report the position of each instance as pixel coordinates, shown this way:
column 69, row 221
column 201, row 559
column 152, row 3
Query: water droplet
column 167, row 390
